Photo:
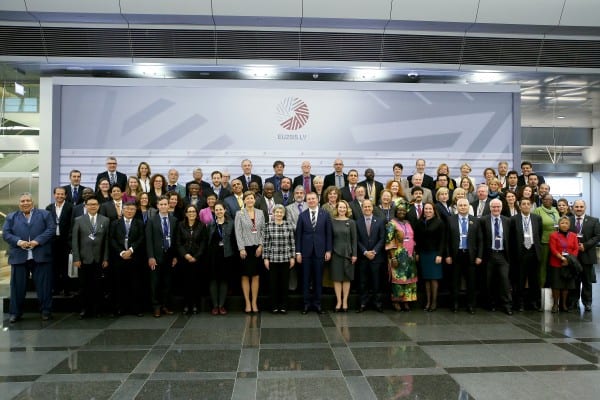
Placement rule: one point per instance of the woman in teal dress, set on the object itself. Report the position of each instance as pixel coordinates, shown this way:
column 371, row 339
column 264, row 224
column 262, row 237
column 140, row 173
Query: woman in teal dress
column 550, row 218
column 400, row 246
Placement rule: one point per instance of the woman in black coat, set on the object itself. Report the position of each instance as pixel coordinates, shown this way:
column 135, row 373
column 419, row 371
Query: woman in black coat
column 222, row 252
column 191, row 244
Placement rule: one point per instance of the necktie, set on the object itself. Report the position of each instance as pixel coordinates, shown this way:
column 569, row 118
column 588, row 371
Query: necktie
column 299, row 208
column 285, row 199
column 247, row 181
column 339, row 181
column 463, row 233
column 313, row 219
column 527, row 237
column 93, row 222
column 127, row 226
column 306, row 184
column 578, row 225
column 239, row 201
column 74, row 196
column 496, row 234
column 352, row 191
column 480, row 208
column 368, row 223
column 165, row 227
column 418, row 211
column 112, row 179
column 118, row 208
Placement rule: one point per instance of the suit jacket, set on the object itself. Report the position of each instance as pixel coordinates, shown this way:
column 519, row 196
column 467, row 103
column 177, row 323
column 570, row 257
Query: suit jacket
column 200, row 203
column 64, row 222
column 314, row 242
column 517, row 235
column 109, row 210
column 86, row 249
column 273, row 179
column 329, row 180
column 69, row 194
column 590, row 229
column 191, row 241
column 486, row 207
column 427, row 195
column 278, row 196
column 521, row 180
column 223, row 193
column 292, row 212
column 205, row 188
column 41, row 228
column 474, row 241
column 253, row 178
column 428, row 182
column 121, row 179
column 356, row 208
column 179, row 188
column 232, row 206
column 261, row 204
column 378, row 188
column 485, row 224
column 346, row 193
column 154, row 239
column 135, row 240
column 375, row 240
column 299, row 181
column 443, row 211
column 229, row 241
column 149, row 214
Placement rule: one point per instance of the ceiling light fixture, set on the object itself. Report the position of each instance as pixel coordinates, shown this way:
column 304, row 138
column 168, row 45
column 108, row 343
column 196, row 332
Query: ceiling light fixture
column 486, row 77
column 260, row 72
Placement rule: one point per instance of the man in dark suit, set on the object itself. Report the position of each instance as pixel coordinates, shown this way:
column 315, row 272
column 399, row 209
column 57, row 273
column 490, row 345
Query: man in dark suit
column 337, row 178
column 205, row 187
column 481, row 206
column 415, row 212
column 495, row 234
column 525, row 253
column 193, row 198
column 587, row 229
column 90, row 255
column 162, row 257
column 113, row 209
column 235, row 201
column 217, row 185
column 465, row 252
column 428, row 181
column 173, row 184
column 29, row 233
column 278, row 167
column 247, row 176
column 111, row 173
column 349, row 191
column 79, row 209
column 61, row 212
column 306, row 179
column 284, row 195
column 74, row 189
column 267, row 201
column 357, row 204
column 314, row 244
column 526, row 170
column 512, row 182
column 373, row 187
column 127, row 239
column 370, row 232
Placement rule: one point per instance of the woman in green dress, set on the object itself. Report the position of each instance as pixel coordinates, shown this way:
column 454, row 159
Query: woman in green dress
column 550, row 218
column 400, row 246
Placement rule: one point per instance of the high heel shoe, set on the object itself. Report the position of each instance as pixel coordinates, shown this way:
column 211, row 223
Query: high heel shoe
column 427, row 308
column 337, row 310
column 554, row 309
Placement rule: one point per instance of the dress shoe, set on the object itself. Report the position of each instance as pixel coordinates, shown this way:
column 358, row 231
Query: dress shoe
column 140, row 314
column 471, row 310
column 283, row 311
column 361, row 309
column 320, row 310
column 275, row 311
column 588, row 308
column 166, row 311
column 214, row 311
column 455, row 309
column 222, row 311
column 379, row 309
column 305, row 311
column 186, row 310
column 554, row 309
column 195, row 310
column 508, row 311
column 337, row 310
column 83, row 315
column 46, row 317
column 345, row 310
column 156, row 312
column 13, row 319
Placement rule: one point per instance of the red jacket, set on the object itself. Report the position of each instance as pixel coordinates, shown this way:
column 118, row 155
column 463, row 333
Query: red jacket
column 558, row 244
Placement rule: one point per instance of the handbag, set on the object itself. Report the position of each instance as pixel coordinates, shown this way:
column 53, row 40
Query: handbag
column 72, row 271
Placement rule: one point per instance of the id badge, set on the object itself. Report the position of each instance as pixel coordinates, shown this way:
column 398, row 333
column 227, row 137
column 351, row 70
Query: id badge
column 92, row 236
column 527, row 235
column 564, row 253
column 220, row 243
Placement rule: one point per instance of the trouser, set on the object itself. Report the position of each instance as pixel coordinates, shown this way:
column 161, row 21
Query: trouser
column 90, row 277
column 370, row 282
column 583, row 286
column 129, row 288
column 313, row 268
column 60, row 255
column 191, row 284
column 42, row 277
column 279, row 279
column 527, row 273
column 497, row 281
column 161, row 284
column 463, row 267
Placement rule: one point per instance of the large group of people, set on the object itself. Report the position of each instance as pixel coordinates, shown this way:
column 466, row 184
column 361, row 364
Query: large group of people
column 130, row 238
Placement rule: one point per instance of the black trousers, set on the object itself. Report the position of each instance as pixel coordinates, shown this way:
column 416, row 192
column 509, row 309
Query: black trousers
column 279, row 278
column 462, row 267
column 497, row 281
column 527, row 272
column 90, row 278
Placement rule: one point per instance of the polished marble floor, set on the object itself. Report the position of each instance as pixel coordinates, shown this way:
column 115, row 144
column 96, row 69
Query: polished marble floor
column 415, row 355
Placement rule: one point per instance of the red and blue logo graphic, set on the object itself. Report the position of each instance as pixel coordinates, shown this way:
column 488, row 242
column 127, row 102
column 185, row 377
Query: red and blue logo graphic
column 292, row 113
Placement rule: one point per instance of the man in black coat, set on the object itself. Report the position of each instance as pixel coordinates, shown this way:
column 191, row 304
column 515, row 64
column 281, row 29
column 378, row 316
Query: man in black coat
column 111, row 173
column 61, row 212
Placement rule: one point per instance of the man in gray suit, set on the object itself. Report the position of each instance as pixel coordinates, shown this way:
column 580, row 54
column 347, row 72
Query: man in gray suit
column 90, row 254
column 293, row 210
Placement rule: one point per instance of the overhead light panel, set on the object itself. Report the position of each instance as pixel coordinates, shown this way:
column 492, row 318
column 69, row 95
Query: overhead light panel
column 151, row 71
column 260, row 72
column 369, row 74
column 19, row 89
column 486, row 77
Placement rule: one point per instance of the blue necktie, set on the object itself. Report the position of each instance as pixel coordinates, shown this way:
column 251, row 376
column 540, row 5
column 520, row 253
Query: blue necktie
column 496, row 234
column 165, row 226
column 463, row 233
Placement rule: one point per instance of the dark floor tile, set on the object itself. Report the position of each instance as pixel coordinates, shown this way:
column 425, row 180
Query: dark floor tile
column 392, row 357
column 430, row 387
column 292, row 335
column 373, row 334
column 217, row 389
column 200, row 361
column 560, row 368
column 126, row 337
column 352, row 372
column 18, row 378
column 82, row 362
column 73, row 322
column 139, row 376
column 211, row 336
column 477, row 370
column 297, row 360
column 247, row 375
column 69, row 390
column 448, row 342
column 302, row 389
column 587, row 356
column 512, row 341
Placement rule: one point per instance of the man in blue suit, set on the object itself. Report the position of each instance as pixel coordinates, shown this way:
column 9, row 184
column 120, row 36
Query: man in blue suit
column 29, row 233
column 313, row 247
column 370, row 232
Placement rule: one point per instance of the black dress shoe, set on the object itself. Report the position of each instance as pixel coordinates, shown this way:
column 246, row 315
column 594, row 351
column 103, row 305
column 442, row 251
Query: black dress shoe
column 471, row 310
column 83, row 315
column 588, row 308
column 455, row 309
column 13, row 319
column 361, row 309
column 508, row 311
column 379, row 309
column 46, row 317
column 305, row 311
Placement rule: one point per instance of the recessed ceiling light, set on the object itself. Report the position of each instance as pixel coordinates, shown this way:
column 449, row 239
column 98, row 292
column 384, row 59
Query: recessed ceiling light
column 560, row 117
